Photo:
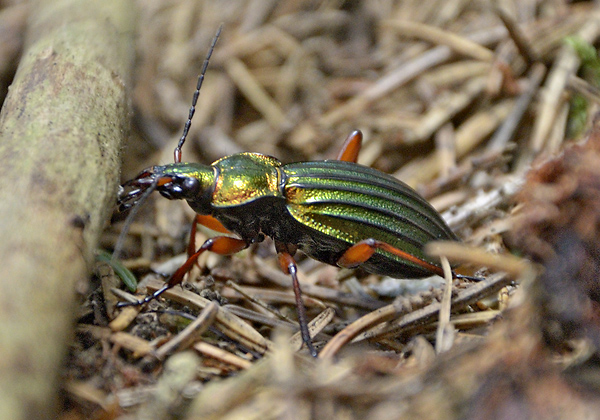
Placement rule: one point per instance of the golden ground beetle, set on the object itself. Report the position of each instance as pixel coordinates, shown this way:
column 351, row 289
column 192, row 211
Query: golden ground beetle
column 335, row 211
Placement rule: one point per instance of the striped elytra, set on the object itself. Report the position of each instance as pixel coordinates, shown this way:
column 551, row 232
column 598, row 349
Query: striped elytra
column 351, row 202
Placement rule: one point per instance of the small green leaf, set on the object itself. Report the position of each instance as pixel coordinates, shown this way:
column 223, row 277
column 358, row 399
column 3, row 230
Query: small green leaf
column 127, row 276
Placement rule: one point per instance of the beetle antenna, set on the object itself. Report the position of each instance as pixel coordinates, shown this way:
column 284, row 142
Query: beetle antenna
column 188, row 123
column 129, row 220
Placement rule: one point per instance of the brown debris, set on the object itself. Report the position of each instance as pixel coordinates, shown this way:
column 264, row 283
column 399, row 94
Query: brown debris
column 559, row 226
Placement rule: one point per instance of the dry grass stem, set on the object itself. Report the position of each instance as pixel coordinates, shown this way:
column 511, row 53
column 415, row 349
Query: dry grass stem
column 558, row 77
column 445, row 331
column 222, row 355
column 436, row 36
column 190, row 333
column 231, row 325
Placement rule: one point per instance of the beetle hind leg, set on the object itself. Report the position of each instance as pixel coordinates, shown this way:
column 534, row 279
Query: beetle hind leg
column 361, row 252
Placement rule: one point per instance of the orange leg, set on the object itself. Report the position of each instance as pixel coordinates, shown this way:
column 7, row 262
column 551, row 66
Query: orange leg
column 211, row 223
column 222, row 245
column 204, row 220
column 288, row 266
column 363, row 250
column 351, row 147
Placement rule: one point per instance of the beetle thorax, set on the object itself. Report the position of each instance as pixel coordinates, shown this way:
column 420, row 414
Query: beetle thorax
column 244, row 178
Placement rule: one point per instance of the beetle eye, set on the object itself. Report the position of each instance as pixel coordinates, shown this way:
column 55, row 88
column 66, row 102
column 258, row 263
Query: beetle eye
column 191, row 186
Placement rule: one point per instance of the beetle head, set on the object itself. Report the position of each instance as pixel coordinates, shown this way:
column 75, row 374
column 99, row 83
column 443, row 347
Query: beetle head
column 177, row 181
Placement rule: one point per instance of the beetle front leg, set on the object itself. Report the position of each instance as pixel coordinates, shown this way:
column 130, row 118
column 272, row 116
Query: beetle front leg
column 204, row 220
column 363, row 250
column 222, row 245
column 288, row 266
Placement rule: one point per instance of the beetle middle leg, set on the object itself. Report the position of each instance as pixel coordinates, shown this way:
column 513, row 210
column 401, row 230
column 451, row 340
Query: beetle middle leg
column 351, row 147
column 288, row 266
column 207, row 221
column 286, row 261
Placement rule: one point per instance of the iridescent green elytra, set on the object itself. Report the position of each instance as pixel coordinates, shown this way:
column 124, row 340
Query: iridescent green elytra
column 320, row 207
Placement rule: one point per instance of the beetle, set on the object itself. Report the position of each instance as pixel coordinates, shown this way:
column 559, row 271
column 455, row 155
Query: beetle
column 335, row 211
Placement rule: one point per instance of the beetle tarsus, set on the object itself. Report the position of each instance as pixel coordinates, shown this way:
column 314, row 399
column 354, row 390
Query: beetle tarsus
column 465, row 277
column 145, row 300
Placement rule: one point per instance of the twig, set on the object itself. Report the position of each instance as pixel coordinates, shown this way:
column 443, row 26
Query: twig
column 232, row 326
column 222, row 355
column 564, row 66
column 444, row 336
column 518, row 37
column 437, row 36
column 508, row 127
column 188, row 334
column 484, row 288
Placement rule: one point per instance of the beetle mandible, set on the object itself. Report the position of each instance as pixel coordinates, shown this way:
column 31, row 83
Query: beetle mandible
column 335, row 211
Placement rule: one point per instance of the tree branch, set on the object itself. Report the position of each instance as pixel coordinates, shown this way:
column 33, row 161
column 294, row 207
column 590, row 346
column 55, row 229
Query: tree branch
column 61, row 128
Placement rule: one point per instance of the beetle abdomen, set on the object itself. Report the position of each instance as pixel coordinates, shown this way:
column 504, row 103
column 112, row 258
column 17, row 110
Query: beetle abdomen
column 345, row 203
